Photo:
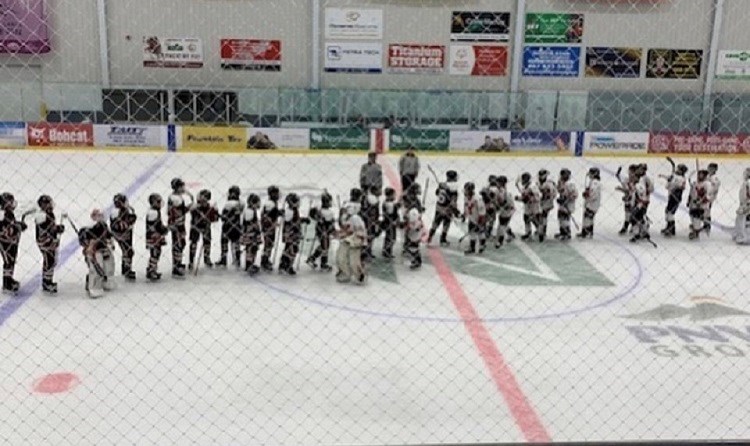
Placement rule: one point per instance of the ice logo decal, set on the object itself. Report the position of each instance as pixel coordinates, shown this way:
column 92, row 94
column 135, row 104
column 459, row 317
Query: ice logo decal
column 706, row 328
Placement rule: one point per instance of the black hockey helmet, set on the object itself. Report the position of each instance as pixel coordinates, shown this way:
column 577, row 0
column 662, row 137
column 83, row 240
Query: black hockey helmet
column 120, row 200
column 45, row 202
column 713, row 168
column 234, row 193
column 595, row 173
column 502, row 180
column 492, row 180
column 204, row 195
column 253, row 200
column 292, row 200
column 355, row 194
column 375, row 190
column 543, row 174
column 415, row 189
column 326, row 200
column 702, row 174
column 7, row 201
column 565, row 174
column 274, row 193
column 154, row 200
column 177, row 184
column 681, row 169
column 469, row 187
column 525, row 178
column 451, row 175
column 390, row 192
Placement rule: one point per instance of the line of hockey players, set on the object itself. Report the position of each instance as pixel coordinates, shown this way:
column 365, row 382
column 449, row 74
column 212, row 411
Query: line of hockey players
column 264, row 227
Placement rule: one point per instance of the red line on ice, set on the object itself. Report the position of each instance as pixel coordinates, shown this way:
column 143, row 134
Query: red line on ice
column 520, row 407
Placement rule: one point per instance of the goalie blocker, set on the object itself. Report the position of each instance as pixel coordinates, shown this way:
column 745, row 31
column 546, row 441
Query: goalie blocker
column 96, row 241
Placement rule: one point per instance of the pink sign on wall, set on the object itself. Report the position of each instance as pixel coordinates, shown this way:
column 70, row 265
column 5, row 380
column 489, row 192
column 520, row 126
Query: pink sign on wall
column 23, row 27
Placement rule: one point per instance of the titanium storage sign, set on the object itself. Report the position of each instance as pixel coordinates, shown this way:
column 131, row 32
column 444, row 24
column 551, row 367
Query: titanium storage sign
column 354, row 23
column 415, row 59
column 354, row 57
column 733, row 64
column 130, row 136
column 551, row 61
column 480, row 26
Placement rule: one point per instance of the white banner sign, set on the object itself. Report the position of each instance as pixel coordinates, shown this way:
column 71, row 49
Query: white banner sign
column 130, row 136
column 479, row 141
column 733, row 64
column 354, row 23
column 610, row 142
column 354, row 57
column 12, row 134
column 162, row 52
column 278, row 138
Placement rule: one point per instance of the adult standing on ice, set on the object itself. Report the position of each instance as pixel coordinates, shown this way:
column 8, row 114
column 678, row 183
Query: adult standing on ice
column 743, row 212
column 408, row 167
column 371, row 174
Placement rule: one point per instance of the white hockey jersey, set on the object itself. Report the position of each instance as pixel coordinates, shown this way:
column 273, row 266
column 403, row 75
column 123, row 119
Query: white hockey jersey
column 676, row 186
column 700, row 195
column 474, row 210
column 715, row 186
column 568, row 196
column 643, row 190
column 548, row 194
column 506, row 206
column 592, row 196
column 414, row 225
column 531, row 197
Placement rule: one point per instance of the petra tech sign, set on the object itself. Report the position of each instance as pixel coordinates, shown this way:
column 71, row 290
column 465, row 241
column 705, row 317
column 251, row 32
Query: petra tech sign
column 707, row 328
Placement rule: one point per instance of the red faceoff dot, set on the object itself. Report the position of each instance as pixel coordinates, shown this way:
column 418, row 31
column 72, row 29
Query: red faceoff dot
column 56, row 383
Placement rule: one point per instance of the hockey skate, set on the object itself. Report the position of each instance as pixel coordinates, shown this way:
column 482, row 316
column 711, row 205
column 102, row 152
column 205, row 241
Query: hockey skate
column 472, row 248
column 526, row 237
column 326, row 268
column 669, row 231
column 153, row 276
column 312, row 263
column 10, row 285
column 444, row 241
column 49, row 286
column 129, row 275
column 222, row 262
column 624, row 229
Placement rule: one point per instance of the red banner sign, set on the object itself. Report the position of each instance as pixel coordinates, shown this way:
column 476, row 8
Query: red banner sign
column 699, row 143
column 44, row 134
column 410, row 58
column 251, row 54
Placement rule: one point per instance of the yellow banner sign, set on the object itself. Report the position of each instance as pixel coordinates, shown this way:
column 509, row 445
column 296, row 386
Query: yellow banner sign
column 214, row 139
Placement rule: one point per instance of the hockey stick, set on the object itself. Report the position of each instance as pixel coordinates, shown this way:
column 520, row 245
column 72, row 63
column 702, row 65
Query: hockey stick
column 671, row 161
column 432, row 171
column 98, row 268
column 198, row 260
column 424, row 193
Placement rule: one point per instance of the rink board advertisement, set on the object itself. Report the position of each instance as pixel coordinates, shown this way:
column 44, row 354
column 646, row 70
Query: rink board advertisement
column 674, row 64
column 213, row 139
column 553, row 28
column 271, row 138
column 480, row 26
column 699, row 143
column 479, row 141
column 615, row 143
column 23, row 27
column 163, row 52
column 251, row 54
column 613, row 62
column 354, row 57
column 44, row 134
column 415, row 58
column 551, row 61
column 12, row 134
column 340, row 138
column 354, row 23
column 420, row 139
column 478, row 60
column 130, row 136
column 530, row 141
column 733, row 64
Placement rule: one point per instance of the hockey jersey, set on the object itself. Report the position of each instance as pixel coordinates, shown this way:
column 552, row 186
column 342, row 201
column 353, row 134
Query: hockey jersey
column 568, row 196
column 593, row 195
column 474, row 210
column 548, row 194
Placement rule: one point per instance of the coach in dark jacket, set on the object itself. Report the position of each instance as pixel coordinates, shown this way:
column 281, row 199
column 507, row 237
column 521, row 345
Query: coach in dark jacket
column 408, row 167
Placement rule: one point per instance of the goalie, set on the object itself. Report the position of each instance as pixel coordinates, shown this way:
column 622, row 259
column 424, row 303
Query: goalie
column 96, row 241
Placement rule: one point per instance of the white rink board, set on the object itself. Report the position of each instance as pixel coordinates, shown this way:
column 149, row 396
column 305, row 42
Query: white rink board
column 226, row 359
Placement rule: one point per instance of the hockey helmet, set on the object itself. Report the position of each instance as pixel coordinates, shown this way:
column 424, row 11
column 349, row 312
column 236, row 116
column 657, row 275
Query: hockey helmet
column 415, row 189
column 204, row 195
column 451, row 175
column 274, row 193
column 253, row 201
column 120, row 200
column 7, row 201
column 543, row 174
column 469, row 187
column 355, row 194
column 502, row 180
column 713, row 168
column 234, row 193
column 177, row 184
column 492, row 180
column 97, row 215
column 45, row 203
column 565, row 174
column 326, row 200
column 292, row 200
column 595, row 173
column 390, row 192
column 702, row 174
column 525, row 178
column 154, row 200
column 681, row 169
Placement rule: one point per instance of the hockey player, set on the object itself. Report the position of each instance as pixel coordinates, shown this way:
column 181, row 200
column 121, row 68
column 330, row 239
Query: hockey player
column 413, row 235
column 713, row 178
column 592, row 197
column 231, row 227
column 675, row 188
column 699, row 201
column 178, row 205
column 489, row 195
column 741, row 235
column 506, row 207
column 96, row 241
column 642, row 198
column 627, row 187
column 121, row 223
column 251, row 232
column 371, row 216
column 566, row 204
column 352, row 239
column 548, row 192
column 390, row 221
column 48, row 233
column 202, row 214
column 476, row 214
column 530, row 197
column 291, row 234
column 156, row 234
column 269, row 221
column 325, row 227
column 10, row 236
column 446, row 208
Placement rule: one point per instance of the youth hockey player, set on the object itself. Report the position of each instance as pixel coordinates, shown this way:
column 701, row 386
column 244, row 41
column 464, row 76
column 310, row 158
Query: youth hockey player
column 644, row 187
column 413, row 234
column 676, row 183
column 231, row 227
column 156, row 234
column 48, row 233
column 121, row 223
column 391, row 219
column 476, row 214
column 251, row 232
column 548, row 192
column 371, row 216
column 592, row 197
column 530, row 197
column 566, row 204
column 489, row 196
column 291, row 234
column 699, row 201
column 627, row 187
column 96, row 241
column 269, row 221
column 325, row 227
column 202, row 214
column 352, row 239
column 741, row 235
column 713, row 178
column 10, row 236
column 446, row 208
column 178, row 205
column 506, row 207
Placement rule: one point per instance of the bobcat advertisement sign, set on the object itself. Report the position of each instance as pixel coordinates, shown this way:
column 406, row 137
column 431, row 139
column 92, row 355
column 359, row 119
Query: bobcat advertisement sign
column 480, row 26
column 251, row 54
column 161, row 52
column 415, row 58
column 44, row 134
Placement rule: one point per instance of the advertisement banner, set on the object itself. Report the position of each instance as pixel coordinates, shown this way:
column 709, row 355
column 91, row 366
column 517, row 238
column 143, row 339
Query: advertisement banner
column 44, row 134
column 251, row 54
column 23, row 27
column 531, row 141
column 480, row 26
column 479, row 141
column 733, row 64
column 341, row 138
column 162, row 52
column 699, row 143
column 420, row 139
column 613, row 62
column 551, row 61
column 12, row 134
column 478, row 60
column 620, row 143
column 264, row 138
column 354, row 57
column 674, row 64
column 130, row 136
column 415, row 58
column 553, row 28
column 213, row 139
column 354, row 23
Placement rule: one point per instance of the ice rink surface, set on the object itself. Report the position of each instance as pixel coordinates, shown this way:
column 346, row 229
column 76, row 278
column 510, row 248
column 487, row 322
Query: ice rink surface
column 591, row 340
